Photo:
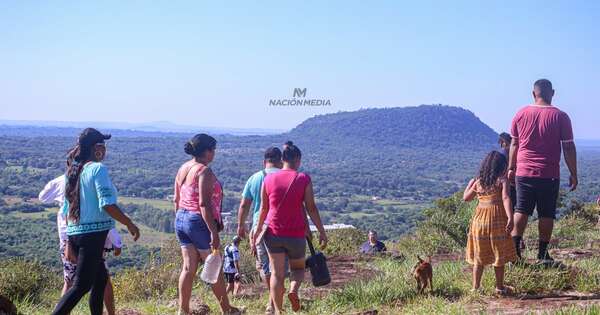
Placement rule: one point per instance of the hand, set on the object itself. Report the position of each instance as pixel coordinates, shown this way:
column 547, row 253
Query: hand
column 511, row 175
column 241, row 231
column 322, row 240
column 117, row 251
column 510, row 225
column 134, row 231
column 573, row 182
column 215, row 241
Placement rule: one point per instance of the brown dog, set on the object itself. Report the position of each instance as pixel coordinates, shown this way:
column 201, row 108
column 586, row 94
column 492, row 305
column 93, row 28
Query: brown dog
column 7, row 307
column 423, row 273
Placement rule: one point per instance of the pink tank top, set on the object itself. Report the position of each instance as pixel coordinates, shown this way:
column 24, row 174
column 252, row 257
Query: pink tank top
column 286, row 217
column 189, row 196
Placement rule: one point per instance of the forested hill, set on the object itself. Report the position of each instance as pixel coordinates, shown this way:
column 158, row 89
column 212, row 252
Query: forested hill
column 431, row 126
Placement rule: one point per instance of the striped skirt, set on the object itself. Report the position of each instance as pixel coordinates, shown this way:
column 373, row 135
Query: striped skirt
column 488, row 242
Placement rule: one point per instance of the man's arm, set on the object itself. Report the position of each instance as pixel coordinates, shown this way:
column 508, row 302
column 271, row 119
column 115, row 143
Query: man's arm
column 243, row 210
column 570, row 154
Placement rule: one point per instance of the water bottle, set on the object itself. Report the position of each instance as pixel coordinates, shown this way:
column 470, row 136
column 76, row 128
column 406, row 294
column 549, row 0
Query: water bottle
column 212, row 267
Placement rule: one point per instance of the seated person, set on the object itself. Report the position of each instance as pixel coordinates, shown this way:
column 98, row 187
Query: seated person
column 372, row 246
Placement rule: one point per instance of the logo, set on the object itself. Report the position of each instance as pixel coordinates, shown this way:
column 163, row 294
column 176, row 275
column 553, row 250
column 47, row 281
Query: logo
column 299, row 99
column 299, row 92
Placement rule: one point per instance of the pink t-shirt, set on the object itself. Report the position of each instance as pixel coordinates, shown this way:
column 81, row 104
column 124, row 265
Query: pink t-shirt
column 287, row 220
column 540, row 131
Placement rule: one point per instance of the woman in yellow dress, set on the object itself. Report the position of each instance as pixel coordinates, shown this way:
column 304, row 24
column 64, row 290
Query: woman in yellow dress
column 489, row 241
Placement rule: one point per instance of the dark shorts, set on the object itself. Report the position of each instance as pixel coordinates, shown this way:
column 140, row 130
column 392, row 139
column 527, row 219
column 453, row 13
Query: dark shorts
column 191, row 229
column 537, row 193
column 294, row 247
column 230, row 277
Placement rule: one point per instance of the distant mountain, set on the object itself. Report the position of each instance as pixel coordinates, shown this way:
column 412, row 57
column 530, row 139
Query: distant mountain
column 62, row 127
column 430, row 126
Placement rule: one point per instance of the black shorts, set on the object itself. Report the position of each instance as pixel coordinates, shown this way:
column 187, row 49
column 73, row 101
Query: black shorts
column 537, row 193
column 230, row 277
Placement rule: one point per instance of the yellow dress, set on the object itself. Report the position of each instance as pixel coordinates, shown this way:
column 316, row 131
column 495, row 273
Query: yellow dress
column 488, row 242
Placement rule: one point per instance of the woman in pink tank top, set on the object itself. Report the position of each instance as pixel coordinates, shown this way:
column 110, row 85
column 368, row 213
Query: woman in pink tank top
column 198, row 196
column 285, row 195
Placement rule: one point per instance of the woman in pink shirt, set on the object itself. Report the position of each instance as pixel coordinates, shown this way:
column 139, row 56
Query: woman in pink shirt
column 198, row 196
column 285, row 195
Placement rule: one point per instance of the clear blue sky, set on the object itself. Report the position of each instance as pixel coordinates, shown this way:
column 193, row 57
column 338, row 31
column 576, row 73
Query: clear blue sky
column 218, row 63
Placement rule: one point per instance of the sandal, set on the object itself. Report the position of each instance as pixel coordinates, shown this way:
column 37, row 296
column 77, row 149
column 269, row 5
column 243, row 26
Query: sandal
column 505, row 291
column 294, row 300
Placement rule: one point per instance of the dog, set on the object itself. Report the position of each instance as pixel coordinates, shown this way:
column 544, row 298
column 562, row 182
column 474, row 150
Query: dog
column 423, row 273
column 7, row 307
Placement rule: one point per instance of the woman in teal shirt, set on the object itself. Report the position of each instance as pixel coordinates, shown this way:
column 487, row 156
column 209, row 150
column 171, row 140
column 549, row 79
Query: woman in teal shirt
column 91, row 209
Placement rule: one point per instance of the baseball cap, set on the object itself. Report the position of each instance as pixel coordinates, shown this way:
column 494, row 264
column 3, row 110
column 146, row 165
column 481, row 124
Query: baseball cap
column 91, row 136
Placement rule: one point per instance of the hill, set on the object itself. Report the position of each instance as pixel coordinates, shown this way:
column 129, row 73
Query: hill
column 425, row 126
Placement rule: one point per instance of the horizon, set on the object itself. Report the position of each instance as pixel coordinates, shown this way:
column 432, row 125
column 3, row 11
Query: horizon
column 220, row 65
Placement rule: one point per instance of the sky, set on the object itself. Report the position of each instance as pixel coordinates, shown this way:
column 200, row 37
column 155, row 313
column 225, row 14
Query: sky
column 219, row 63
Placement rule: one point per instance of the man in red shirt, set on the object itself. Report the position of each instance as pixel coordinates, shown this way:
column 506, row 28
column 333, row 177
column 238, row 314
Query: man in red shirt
column 539, row 130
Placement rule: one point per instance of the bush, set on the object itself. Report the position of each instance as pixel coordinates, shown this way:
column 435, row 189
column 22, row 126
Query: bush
column 23, row 280
column 343, row 241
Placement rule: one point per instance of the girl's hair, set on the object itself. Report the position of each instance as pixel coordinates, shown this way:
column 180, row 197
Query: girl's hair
column 76, row 159
column 291, row 152
column 492, row 168
column 199, row 144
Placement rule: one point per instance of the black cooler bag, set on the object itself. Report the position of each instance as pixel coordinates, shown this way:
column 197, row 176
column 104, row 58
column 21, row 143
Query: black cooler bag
column 317, row 263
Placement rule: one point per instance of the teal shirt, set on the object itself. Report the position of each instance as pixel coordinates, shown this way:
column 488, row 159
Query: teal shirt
column 96, row 190
column 252, row 191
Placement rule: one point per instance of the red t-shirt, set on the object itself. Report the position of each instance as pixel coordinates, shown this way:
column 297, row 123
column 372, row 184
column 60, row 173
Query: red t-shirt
column 540, row 131
column 288, row 219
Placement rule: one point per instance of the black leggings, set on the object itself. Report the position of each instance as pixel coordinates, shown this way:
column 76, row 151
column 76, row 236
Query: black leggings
column 90, row 275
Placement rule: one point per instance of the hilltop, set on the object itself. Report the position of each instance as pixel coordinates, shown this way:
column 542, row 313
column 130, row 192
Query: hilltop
column 425, row 126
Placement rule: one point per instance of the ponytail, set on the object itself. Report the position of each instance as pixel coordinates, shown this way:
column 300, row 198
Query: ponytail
column 76, row 159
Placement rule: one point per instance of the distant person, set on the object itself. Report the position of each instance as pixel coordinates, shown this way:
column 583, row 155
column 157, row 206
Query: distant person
column 285, row 194
column 251, row 199
column 504, row 140
column 231, row 266
column 489, row 241
column 54, row 191
column 90, row 206
column 538, row 131
column 198, row 199
column 373, row 245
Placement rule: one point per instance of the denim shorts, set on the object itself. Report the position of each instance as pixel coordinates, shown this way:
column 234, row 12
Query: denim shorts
column 191, row 229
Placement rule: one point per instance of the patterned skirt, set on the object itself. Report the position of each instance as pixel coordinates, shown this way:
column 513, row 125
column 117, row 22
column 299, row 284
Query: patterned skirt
column 488, row 242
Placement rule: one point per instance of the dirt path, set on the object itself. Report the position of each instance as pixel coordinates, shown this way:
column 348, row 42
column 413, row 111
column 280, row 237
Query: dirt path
column 536, row 304
column 543, row 303
column 342, row 269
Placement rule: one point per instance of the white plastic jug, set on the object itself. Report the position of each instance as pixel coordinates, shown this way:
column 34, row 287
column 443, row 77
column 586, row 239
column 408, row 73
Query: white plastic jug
column 212, row 267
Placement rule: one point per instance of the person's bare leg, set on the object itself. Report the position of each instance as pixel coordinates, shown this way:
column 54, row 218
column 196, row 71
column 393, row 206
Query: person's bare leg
column 520, row 224
column 229, row 288
column 277, row 264
column 219, row 288
column 109, row 297
column 66, row 287
column 296, row 266
column 477, row 273
column 236, row 288
column 186, row 278
column 545, row 226
column 499, row 272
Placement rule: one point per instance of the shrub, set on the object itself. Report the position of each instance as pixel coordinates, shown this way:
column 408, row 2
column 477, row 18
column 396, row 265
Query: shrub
column 343, row 241
column 24, row 280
